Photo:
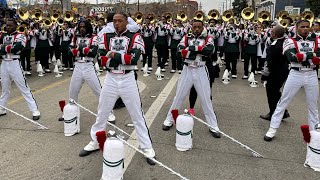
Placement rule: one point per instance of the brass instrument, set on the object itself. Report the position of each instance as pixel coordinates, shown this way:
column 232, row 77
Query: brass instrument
column 55, row 16
column 182, row 16
column 138, row 16
column 247, row 13
column 307, row 15
column 213, row 14
column 168, row 16
column 198, row 15
column 227, row 15
column 23, row 13
column 3, row 28
column 284, row 23
column 152, row 18
column 264, row 16
column 282, row 15
column 47, row 23
column 68, row 16
column 36, row 15
column 90, row 19
column 21, row 29
column 75, row 21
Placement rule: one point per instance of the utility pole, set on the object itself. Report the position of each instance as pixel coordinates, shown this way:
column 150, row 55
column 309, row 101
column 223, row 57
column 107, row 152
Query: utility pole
column 200, row 6
column 138, row 6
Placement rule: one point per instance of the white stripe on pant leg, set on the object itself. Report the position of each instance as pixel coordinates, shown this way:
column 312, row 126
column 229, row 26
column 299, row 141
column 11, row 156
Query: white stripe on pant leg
column 5, row 83
column 202, row 86
column 311, row 89
column 129, row 93
column 183, row 89
column 108, row 98
column 291, row 87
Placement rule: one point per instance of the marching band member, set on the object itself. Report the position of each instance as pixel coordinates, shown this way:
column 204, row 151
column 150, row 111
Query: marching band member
column 231, row 48
column 121, row 51
column 250, row 51
column 147, row 33
column 316, row 28
column 26, row 52
column 12, row 44
column 176, row 33
column 303, row 54
column 276, row 71
column 192, row 48
column 43, row 46
column 66, row 36
column 161, row 31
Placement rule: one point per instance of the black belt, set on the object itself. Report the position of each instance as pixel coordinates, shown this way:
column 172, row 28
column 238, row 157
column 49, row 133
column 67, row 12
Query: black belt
column 299, row 68
column 187, row 64
column 124, row 71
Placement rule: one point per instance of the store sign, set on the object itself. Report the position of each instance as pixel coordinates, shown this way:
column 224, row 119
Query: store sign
column 103, row 9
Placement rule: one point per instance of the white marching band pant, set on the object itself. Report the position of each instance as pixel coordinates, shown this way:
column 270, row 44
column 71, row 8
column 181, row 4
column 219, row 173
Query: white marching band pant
column 124, row 86
column 197, row 76
column 296, row 80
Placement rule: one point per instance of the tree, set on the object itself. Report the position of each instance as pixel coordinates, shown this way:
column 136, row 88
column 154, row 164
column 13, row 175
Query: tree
column 314, row 6
column 238, row 5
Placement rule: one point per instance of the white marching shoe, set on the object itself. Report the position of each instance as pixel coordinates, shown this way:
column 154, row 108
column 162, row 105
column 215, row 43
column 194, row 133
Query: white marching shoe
column 36, row 115
column 270, row 134
column 3, row 112
column 112, row 118
column 90, row 148
column 150, row 153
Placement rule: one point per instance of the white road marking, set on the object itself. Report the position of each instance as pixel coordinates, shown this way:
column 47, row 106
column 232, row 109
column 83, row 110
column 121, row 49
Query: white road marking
column 150, row 117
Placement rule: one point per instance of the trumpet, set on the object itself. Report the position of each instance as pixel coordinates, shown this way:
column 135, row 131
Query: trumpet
column 227, row 15
column 213, row 14
column 198, row 15
column 247, row 13
column 182, row 16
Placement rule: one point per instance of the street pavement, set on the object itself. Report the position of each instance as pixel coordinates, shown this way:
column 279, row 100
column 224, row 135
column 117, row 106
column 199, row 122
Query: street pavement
column 28, row 153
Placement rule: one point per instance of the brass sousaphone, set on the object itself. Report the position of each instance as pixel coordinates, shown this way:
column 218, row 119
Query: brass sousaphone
column 198, row 15
column 264, row 16
column 227, row 15
column 213, row 14
column 138, row 17
column 182, row 16
column 247, row 13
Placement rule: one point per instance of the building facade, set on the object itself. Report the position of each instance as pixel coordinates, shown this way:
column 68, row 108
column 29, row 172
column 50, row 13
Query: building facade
column 294, row 7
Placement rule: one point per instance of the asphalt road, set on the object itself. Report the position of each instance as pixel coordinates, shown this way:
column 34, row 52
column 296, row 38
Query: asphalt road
column 29, row 153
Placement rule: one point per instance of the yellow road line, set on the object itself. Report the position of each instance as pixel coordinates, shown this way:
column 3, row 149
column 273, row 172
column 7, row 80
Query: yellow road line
column 39, row 91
